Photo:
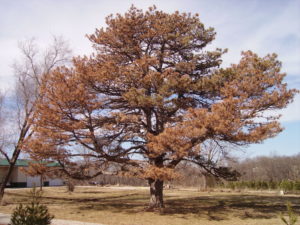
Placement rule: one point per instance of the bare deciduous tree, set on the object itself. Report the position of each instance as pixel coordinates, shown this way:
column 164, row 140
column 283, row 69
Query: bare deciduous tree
column 29, row 72
column 270, row 168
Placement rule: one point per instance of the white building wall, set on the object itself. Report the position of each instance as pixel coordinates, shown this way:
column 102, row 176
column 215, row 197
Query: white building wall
column 56, row 182
column 33, row 181
column 18, row 176
column 21, row 176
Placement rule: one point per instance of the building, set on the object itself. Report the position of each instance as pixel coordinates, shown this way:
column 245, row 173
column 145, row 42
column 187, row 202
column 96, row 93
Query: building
column 20, row 179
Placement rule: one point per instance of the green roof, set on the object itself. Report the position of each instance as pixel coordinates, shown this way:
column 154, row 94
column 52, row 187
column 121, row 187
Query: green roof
column 25, row 162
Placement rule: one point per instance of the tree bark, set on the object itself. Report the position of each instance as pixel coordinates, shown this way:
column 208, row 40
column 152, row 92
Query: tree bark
column 8, row 174
column 156, row 193
column 5, row 180
column 41, row 182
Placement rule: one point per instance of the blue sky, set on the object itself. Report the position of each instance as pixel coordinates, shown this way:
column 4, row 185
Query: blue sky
column 262, row 26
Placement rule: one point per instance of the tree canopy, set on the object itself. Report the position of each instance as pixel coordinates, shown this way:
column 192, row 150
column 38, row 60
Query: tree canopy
column 150, row 95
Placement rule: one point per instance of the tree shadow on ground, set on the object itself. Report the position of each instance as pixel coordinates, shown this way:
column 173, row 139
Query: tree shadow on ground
column 210, row 207
column 242, row 206
column 213, row 207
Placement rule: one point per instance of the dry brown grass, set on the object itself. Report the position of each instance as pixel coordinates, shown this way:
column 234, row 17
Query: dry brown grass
column 117, row 206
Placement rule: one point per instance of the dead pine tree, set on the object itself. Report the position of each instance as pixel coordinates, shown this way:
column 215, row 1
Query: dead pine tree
column 150, row 95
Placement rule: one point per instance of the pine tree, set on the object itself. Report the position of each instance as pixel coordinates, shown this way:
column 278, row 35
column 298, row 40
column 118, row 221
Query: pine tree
column 150, row 95
column 33, row 213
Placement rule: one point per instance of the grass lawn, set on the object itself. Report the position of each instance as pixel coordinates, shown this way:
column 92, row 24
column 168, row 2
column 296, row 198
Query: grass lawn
column 120, row 206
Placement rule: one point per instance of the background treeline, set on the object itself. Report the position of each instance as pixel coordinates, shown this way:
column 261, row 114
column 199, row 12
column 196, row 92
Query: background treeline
column 117, row 180
column 260, row 173
column 271, row 168
column 285, row 185
column 267, row 173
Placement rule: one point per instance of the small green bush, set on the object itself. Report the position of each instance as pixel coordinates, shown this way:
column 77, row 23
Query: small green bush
column 297, row 185
column 32, row 214
column 286, row 185
column 292, row 218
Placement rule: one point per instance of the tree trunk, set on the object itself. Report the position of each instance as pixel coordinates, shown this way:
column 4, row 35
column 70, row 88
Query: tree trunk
column 204, row 182
column 156, row 194
column 5, row 180
column 8, row 174
column 41, row 182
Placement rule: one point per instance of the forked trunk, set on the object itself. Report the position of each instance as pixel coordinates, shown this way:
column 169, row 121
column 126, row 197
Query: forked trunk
column 156, row 194
column 5, row 180
column 7, row 176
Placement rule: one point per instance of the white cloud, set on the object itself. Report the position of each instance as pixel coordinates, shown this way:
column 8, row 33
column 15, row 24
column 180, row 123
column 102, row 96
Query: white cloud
column 261, row 27
column 21, row 20
column 292, row 112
